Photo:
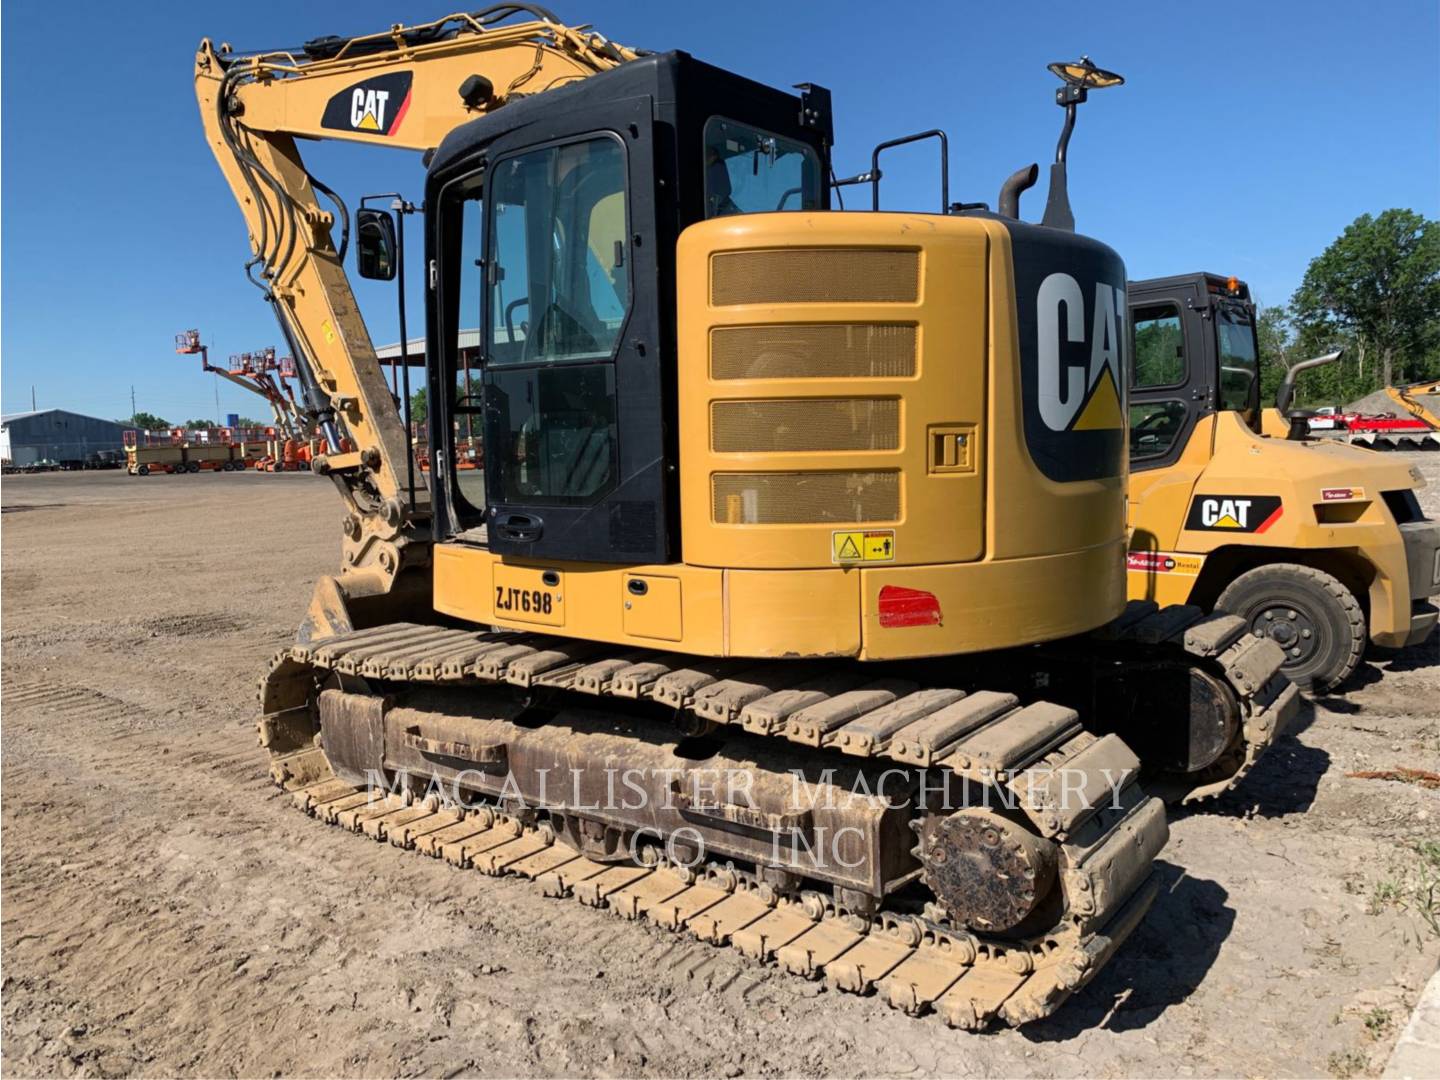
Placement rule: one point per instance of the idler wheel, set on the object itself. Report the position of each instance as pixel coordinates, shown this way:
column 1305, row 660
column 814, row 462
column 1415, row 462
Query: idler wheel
column 988, row 871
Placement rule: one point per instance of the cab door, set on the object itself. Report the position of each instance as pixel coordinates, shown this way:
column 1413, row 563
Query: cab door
column 1170, row 383
column 572, row 368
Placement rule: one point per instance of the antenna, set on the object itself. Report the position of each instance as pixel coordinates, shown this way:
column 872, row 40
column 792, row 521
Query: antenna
column 1079, row 78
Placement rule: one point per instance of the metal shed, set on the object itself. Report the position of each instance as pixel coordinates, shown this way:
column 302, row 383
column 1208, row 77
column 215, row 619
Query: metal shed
column 56, row 435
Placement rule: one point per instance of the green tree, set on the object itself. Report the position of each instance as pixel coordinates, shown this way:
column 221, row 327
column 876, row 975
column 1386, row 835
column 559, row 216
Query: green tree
column 1277, row 341
column 199, row 424
column 1379, row 284
column 419, row 407
column 144, row 421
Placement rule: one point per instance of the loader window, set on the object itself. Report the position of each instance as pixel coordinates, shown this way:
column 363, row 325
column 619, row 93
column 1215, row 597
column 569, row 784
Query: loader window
column 1238, row 361
column 1159, row 347
column 749, row 171
column 1154, row 426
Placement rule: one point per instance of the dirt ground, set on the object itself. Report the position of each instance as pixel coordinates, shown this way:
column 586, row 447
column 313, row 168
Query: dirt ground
column 166, row 912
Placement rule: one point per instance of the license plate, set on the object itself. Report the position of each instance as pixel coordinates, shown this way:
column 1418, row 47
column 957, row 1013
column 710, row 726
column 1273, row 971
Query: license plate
column 526, row 595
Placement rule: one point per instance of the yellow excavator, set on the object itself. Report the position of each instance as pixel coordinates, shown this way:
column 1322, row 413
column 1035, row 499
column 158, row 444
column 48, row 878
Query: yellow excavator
column 789, row 608
column 1408, row 398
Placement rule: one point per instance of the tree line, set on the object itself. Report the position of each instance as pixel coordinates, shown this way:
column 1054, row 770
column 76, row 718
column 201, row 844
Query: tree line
column 1375, row 292
column 148, row 421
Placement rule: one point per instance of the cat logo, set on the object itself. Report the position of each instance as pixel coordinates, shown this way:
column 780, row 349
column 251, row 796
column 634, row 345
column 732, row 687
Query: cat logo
column 367, row 109
column 1076, row 395
column 1234, row 513
column 1072, row 324
column 376, row 106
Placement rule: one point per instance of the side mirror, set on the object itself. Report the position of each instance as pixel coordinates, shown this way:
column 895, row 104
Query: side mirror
column 375, row 249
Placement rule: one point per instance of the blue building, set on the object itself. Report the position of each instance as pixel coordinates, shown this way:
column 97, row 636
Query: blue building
column 55, row 435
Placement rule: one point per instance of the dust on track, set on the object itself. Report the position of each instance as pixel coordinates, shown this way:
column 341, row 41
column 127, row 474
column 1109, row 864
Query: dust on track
column 166, row 912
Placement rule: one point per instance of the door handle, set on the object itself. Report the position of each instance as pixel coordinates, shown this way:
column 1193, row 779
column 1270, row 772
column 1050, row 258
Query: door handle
column 519, row 528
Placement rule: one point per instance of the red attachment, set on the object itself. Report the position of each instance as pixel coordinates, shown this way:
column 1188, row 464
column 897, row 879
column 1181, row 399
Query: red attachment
column 187, row 342
column 908, row 607
column 1383, row 422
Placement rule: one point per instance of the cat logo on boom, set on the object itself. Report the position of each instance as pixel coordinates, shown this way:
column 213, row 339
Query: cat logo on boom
column 376, row 106
column 1234, row 513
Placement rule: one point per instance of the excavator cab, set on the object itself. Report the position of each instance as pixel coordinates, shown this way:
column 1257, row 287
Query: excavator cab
column 552, row 229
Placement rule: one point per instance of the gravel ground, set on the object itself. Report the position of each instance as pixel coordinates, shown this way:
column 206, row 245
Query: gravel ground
column 167, row 913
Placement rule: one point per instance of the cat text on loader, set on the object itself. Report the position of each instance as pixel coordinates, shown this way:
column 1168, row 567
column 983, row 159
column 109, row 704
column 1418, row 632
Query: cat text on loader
column 1318, row 546
column 789, row 610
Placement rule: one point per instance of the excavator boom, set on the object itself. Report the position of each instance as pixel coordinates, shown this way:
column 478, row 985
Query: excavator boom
column 405, row 87
column 1408, row 398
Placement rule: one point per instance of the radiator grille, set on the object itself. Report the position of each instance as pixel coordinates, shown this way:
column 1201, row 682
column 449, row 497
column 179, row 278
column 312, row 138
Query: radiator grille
column 800, row 424
column 832, row 351
column 805, row 498
column 815, row 275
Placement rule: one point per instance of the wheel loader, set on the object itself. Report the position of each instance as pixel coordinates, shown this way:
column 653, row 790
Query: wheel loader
column 788, row 610
column 1318, row 546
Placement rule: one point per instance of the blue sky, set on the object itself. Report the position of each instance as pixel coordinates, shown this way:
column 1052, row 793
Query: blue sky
column 1247, row 137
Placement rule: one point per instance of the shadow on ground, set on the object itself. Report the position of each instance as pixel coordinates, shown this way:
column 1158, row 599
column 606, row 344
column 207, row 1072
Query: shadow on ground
column 1160, row 965
column 1283, row 782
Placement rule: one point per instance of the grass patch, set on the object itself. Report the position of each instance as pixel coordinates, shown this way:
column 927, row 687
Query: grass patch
column 1346, row 1064
column 1377, row 1021
column 1413, row 886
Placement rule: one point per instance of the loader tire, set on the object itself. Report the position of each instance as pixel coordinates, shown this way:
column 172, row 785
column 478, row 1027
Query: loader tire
column 1314, row 618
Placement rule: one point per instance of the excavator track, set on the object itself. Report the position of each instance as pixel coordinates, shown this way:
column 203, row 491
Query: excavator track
column 1220, row 647
column 916, row 967
column 835, row 704
column 917, row 954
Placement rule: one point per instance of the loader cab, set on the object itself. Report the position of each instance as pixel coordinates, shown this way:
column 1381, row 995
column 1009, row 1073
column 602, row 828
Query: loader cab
column 551, row 235
column 1195, row 353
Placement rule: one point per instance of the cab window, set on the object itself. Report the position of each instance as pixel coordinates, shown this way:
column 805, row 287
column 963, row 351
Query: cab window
column 1154, row 427
column 559, row 292
column 750, row 171
column 559, row 279
column 467, row 401
column 1159, row 347
column 1238, row 361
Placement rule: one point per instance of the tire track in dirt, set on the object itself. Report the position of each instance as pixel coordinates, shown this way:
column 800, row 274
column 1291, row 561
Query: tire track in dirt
column 201, row 827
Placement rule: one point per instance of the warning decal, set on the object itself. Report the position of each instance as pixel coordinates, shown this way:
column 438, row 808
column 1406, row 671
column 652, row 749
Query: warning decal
column 862, row 546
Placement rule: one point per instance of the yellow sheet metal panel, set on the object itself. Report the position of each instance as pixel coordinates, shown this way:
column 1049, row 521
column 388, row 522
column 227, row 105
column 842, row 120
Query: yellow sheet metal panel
column 937, row 610
column 653, row 608
column 811, row 378
column 793, row 613
column 1031, row 515
column 592, row 598
column 528, row 595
